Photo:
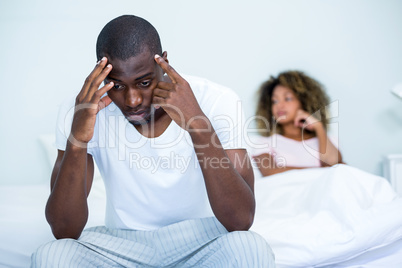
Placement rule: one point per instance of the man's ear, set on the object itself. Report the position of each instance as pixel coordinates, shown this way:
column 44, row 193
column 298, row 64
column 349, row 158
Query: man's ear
column 164, row 56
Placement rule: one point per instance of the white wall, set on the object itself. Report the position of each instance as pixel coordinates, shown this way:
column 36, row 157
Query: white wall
column 352, row 47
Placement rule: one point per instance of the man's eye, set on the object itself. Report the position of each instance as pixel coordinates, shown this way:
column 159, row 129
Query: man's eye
column 145, row 83
column 117, row 87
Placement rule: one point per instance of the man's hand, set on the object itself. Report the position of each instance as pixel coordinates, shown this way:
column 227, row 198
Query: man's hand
column 89, row 102
column 177, row 98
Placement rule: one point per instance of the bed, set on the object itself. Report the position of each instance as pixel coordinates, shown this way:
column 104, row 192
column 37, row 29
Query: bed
column 330, row 217
column 318, row 217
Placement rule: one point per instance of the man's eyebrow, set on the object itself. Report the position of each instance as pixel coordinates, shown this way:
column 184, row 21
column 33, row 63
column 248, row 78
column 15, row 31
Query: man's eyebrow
column 138, row 78
column 142, row 76
column 111, row 78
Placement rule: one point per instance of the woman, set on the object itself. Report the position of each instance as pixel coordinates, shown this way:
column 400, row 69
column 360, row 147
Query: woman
column 293, row 119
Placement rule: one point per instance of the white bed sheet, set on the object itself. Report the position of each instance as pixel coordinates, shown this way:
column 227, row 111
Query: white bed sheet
column 23, row 227
column 324, row 216
column 332, row 217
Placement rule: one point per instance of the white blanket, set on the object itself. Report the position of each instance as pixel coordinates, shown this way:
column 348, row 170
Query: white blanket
column 320, row 216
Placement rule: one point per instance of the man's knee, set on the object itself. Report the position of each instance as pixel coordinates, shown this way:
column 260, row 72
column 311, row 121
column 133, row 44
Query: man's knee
column 49, row 254
column 251, row 248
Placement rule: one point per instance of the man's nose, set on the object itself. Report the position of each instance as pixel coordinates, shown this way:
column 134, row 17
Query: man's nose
column 133, row 98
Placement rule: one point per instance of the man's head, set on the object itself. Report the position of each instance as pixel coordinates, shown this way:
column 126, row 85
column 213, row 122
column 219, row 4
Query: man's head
column 127, row 36
column 130, row 43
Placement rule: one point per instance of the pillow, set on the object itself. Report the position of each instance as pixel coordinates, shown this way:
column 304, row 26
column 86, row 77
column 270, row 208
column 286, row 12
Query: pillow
column 47, row 142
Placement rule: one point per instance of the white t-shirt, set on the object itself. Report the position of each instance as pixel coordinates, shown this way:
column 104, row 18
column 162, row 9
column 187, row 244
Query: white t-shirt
column 154, row 182
column 289, row 152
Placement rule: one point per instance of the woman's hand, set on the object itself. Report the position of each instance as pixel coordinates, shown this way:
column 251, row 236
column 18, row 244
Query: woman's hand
column 328, row 153
column 307, row 121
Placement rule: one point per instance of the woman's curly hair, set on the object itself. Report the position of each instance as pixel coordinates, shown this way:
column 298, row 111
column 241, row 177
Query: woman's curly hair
column 308, row 91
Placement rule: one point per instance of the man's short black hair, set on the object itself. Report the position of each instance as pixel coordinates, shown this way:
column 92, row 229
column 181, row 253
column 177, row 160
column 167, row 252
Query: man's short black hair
column 127, row 36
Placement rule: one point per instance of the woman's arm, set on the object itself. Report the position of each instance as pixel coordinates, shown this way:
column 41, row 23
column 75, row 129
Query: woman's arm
column 328, row 153
column 267, row 165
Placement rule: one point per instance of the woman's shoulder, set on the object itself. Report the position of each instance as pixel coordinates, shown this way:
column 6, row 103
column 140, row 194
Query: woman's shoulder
column 258, row 144
column 260, row 138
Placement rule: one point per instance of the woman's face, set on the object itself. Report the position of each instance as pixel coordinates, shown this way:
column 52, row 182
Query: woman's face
column 285, row 105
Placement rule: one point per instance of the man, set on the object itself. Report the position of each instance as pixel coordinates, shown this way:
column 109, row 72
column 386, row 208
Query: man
column 159, row 216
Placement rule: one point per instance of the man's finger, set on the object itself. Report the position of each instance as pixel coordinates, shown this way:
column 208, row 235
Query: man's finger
column 98, row 94
column 100, row 65
column 162, row 93
column 104, row 102
column 173, row 75
column 165, row 85
column 158, row 101
column 99, row 79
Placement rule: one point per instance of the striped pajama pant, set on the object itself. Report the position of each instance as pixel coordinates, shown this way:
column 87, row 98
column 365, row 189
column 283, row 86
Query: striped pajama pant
column 191, row 243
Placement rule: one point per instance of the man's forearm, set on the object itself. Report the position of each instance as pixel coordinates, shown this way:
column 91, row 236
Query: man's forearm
column 67, row 209
column 231, row 197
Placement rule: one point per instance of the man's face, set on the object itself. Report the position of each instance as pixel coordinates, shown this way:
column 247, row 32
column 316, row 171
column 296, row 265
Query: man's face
column 134, row 82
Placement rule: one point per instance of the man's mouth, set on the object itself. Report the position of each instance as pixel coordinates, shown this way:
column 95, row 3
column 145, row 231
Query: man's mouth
column 136, row 116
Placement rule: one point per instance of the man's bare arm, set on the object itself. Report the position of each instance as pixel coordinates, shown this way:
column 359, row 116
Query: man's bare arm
column 229, row 180
column 229, row 187
column 67, row 208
